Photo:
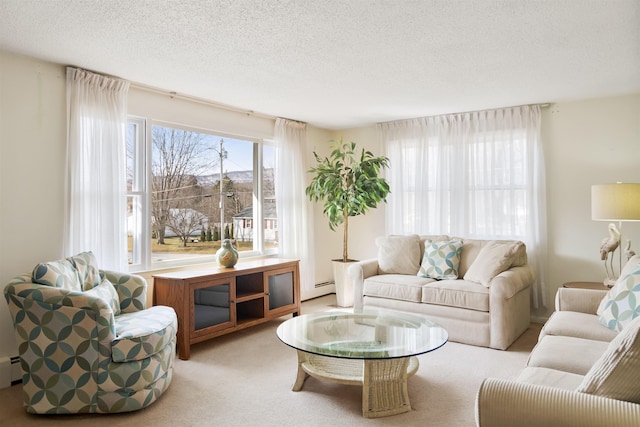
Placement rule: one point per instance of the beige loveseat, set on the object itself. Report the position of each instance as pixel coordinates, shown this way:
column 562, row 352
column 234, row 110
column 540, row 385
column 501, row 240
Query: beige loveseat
column 581, row 372
column 478, row 290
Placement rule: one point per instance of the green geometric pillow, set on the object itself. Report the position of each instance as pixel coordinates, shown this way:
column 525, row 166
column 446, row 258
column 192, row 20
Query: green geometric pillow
column 87, row 266
column 441, row 259
column 106, row 292
column 59, row 274
column 622, row 303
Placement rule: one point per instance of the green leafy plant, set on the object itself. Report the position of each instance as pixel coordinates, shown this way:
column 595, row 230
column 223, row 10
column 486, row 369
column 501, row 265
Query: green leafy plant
column 348, row 182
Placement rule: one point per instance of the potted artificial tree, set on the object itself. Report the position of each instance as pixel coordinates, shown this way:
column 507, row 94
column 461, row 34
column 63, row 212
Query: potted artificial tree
column 348, row 183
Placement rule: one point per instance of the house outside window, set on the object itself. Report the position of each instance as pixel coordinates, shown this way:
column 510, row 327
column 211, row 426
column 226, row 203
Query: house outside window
column 186, row 187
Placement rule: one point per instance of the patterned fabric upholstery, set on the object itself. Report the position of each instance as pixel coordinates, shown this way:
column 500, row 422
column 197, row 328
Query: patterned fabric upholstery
column 87, row 266
column 60, row 274
column 76, row 355
column 107, row 292
column 441, row 259
column 622, row 303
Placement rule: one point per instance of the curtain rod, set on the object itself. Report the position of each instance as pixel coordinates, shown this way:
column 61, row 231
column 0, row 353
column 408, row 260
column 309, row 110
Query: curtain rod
column 203, row 101
column 541, row 105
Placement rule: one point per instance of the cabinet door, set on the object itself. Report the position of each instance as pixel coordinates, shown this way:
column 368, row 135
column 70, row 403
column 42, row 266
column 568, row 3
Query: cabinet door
column 212, row 306
column 281, row 289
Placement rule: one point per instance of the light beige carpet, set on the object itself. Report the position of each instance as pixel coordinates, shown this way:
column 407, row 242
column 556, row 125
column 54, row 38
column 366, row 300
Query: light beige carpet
column 245, row 379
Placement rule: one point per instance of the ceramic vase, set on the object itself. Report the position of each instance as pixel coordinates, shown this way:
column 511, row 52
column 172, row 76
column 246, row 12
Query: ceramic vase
column 227, row 255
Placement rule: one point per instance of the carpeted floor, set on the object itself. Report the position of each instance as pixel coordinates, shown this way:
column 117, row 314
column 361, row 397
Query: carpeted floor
column 245, row 379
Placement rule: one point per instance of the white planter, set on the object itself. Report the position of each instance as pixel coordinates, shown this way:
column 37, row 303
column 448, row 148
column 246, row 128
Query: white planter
column 344, row 285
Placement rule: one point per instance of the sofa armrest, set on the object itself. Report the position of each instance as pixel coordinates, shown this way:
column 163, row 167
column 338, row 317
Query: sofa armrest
column 357, row 272
column 580, row 300
column 132, row 290
column 510, row 282
column 507, row 403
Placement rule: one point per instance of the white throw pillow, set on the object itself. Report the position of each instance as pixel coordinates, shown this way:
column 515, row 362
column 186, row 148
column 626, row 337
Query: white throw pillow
column 616, row 374
column 494, row 258
column 441, row 260
column 622, row 303
column 398, row 254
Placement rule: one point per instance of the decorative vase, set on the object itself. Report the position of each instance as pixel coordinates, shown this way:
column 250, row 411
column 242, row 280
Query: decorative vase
column 227, row 255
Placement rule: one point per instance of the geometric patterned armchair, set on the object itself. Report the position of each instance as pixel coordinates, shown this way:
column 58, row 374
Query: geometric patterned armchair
column 86, row 341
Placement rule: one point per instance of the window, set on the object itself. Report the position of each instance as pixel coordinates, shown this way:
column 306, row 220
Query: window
column 189, row 189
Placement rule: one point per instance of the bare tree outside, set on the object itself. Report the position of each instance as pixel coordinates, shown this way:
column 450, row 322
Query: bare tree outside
column 179, row 157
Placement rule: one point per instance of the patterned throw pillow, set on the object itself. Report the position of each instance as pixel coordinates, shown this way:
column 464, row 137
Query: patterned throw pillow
column 87, row 266
column 622, row 303
column 106, row 292
column 59, row 274
column 441, row 259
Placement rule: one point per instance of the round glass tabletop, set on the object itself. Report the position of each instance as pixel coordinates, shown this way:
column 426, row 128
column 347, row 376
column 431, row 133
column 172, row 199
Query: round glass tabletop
column 371, row 334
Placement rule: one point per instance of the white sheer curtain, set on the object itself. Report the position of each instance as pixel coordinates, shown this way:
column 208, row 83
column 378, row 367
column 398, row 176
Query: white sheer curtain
column 295, row 217
column 96, row 186
column 475, row 175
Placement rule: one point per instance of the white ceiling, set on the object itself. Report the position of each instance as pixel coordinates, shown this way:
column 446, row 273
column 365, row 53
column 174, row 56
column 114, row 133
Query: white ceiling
column 343, row 63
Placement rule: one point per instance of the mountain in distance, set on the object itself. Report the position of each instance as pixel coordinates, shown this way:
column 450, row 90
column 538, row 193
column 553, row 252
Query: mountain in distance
column 239, row 177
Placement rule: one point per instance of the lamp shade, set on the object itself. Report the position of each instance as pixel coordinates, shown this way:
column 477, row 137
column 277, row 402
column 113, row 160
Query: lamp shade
column 615, row 202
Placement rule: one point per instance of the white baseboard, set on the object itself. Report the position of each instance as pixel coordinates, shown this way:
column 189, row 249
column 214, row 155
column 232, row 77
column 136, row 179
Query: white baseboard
column 10, row 372
column 16, row 370
column 5, row 372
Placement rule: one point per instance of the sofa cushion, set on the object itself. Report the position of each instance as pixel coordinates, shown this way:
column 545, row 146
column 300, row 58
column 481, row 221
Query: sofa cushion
column 108, row 294
column 59, row 274
column 494, row 258
column 457, row 293
column 616, row 374
column 398, row 254
column 143, row 333
column 395, row 286
column 622, row 303
column 577, row 325
column 87, row 266
column 567, row 354
column 550, row 378
column 441, row 259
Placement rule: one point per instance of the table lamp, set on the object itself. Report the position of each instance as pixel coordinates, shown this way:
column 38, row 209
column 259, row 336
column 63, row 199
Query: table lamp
column 614, row 202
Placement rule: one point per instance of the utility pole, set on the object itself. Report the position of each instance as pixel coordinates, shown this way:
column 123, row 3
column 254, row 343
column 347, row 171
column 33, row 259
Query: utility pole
column 223, row 155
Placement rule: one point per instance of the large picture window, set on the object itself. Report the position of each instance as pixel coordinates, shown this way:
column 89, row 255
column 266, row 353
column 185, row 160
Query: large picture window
column 189, row 189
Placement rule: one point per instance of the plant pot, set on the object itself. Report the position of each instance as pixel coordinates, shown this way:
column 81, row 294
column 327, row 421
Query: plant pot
column 344, row 285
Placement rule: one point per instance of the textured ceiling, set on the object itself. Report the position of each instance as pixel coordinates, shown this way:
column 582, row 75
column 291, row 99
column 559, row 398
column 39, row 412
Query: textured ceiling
column 339, row 64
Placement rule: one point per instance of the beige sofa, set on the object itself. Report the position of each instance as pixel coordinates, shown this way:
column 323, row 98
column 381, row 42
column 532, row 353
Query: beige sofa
column 478, row 290
column 581, row 373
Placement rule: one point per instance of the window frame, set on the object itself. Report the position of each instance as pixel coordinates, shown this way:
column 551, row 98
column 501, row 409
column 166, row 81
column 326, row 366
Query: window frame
column 142, row 177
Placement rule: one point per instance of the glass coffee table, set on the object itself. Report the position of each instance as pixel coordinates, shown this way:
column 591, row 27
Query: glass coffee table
column 373, row 348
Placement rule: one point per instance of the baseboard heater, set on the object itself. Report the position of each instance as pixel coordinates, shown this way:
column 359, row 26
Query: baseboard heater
column 320, row 285
column 16, row 371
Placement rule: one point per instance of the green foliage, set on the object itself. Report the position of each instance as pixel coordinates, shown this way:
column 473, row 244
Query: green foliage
column 209, row 236
column 348, row 183
column 226, row 232
column 203, row 235
column 216, row 234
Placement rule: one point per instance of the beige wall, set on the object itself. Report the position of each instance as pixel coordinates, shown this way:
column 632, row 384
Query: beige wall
column 32, row 163
column 595, row 141
column 586, row 142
